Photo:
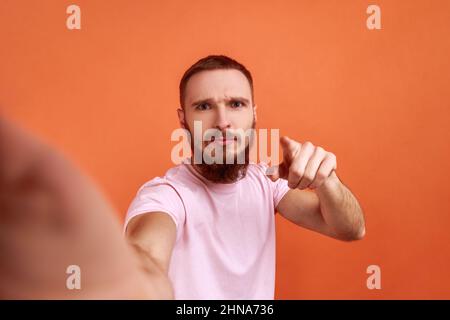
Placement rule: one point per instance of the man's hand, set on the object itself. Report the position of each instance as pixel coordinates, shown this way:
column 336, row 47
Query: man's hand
column 332, row 209
column 52, row 216
column 304, row 165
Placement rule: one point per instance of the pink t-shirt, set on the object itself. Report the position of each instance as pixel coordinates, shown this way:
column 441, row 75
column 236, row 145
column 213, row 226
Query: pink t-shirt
column 225, row 244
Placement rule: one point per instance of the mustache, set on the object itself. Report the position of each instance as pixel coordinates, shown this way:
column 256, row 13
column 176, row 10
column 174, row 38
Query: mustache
column 223, row 135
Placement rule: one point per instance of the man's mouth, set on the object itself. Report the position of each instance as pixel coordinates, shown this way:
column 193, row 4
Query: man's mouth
column 223, row 140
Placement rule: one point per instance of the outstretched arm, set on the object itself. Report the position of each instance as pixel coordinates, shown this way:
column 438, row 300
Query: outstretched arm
column 331, row 209
column 53, row 216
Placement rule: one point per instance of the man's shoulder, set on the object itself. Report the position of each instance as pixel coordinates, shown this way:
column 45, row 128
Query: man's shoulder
column 258, row 169
column 176, row 177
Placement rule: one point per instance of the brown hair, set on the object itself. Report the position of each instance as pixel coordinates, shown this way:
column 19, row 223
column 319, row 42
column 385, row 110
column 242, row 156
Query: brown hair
column 212, row 62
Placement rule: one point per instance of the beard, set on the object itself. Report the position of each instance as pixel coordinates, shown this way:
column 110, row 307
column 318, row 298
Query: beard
column 224, row 172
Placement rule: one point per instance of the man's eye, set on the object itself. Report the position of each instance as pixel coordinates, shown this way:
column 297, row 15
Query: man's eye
column 237, row 104
column 202, row 106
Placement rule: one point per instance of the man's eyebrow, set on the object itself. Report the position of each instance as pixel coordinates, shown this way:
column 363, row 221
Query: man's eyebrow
column 212, row 100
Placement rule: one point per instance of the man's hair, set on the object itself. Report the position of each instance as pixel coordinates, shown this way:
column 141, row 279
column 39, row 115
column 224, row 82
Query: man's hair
column 212, row 62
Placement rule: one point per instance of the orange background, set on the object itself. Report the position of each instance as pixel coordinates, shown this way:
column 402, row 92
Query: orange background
column 106, row 95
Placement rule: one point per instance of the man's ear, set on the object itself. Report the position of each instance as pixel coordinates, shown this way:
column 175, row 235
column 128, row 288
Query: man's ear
column 181, row 117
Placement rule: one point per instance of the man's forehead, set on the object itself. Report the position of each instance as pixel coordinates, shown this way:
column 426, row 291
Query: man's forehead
column 217, row 85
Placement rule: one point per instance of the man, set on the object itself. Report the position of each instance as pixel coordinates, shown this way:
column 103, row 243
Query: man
column 210, row 227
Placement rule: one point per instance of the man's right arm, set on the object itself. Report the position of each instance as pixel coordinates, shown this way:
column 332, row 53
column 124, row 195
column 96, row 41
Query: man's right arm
column 153, row 236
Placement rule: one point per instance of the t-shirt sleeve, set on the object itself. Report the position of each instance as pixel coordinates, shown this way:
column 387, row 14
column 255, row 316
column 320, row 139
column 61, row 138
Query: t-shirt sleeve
column 279, row 187
column 157, row 197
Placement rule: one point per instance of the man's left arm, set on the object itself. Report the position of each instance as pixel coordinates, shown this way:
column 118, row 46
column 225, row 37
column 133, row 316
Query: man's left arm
column 331, row 208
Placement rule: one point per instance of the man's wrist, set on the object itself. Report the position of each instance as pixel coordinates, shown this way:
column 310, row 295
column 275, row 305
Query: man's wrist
column 330, row 185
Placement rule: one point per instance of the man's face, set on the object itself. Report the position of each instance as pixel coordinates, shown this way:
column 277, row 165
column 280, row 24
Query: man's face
column 221, row 100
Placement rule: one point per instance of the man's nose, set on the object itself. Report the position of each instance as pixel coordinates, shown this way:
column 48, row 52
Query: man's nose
column 222, row 121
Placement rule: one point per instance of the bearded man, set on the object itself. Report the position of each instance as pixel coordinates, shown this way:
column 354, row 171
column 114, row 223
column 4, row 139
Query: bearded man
column 208, row 226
